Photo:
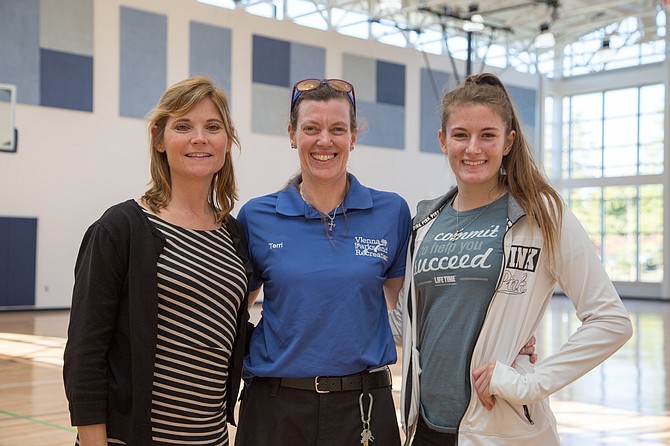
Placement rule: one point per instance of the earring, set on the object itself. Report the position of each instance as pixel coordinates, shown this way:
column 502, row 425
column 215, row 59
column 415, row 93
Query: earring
column 293, row 146
column 503, row 171
column 351, row 149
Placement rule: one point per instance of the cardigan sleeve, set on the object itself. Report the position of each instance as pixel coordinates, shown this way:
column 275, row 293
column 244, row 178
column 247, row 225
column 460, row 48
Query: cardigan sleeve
column 100, row 274
column 244, row 327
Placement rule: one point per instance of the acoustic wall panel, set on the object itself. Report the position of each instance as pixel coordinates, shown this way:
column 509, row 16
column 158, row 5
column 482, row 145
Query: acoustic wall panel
column 271, row 61
column 210, row 54
column 390, row 83
column 306, row 61
column 18, row 246
column 66, row 80
column 66, row 54
column 20, row 48
column 433, row 86
column 525, row 101
column 143, row 64
column 362, row 72
column 67, row 26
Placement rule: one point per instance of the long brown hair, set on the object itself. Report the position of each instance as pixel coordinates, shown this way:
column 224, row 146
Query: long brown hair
column 522, row 177
column 178, row 100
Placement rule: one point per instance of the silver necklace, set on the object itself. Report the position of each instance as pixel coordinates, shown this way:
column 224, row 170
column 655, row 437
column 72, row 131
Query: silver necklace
column 331, row 223
column 459, row 232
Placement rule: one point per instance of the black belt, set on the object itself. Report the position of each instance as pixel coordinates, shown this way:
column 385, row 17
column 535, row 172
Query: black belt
column 327, row 384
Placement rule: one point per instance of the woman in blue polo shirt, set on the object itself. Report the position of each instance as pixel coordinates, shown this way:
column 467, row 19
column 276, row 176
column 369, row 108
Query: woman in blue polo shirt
column 326, row 250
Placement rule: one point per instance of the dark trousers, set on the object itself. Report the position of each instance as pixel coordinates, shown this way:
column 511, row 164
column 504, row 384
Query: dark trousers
column 271, row 415
column 425, row 436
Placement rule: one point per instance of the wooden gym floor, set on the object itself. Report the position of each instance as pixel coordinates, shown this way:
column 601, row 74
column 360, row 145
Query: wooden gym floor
column 625, row 401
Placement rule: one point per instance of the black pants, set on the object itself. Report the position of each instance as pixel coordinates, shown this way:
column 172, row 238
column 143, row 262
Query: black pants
column 425, row 436
column 280, row 416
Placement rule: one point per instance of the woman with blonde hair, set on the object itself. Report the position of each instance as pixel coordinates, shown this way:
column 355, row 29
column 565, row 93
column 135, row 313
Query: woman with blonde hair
column 483, row 263
column 159, row 308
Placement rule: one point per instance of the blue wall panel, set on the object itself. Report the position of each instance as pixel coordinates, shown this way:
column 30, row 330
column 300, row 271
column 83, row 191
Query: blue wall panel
column 362, row 72
column 385, row 125
column 19, row 48
column 66, row 80
column 210, row 53
column 433, row 86
column 525, row 101
column 143, row 61
column 67, row 26
column 306, row 61
column 271, row 61
column 18, row 246
column 390, row 83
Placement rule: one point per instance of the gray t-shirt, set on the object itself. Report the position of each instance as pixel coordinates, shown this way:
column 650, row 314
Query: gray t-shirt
column 455, row 280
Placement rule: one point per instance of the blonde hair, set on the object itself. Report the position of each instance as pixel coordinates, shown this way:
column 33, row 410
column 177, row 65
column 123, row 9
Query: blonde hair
column 178, row 100
column 524, row 180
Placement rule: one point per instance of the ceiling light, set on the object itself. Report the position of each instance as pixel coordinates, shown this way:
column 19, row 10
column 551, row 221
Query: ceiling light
column 476, row 21
column 545, row 39
column 472, row 26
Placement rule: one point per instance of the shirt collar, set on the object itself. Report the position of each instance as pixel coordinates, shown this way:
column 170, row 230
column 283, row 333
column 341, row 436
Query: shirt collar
column 291, row 204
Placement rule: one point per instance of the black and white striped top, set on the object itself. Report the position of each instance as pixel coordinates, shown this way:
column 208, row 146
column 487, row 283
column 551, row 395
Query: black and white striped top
column 201, row 284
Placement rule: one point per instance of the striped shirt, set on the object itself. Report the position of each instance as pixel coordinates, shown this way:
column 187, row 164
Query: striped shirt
column 201, row 284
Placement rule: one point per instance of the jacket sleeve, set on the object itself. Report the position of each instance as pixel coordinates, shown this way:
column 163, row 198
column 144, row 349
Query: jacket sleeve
column 98, row 288
column 605, row 326
column 395, row 317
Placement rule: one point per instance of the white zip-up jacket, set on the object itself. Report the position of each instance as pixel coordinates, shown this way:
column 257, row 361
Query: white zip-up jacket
column 521, row 413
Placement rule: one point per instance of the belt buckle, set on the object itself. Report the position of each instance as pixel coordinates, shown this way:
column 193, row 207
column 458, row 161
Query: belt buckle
column 316, row 386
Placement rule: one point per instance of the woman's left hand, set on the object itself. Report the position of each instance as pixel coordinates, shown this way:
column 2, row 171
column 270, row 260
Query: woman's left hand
column 482, row 376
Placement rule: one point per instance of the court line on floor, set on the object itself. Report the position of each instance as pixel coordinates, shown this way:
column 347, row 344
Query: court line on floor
column 35, row 420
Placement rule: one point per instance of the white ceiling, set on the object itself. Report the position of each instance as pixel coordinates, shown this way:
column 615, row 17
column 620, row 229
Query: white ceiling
column 518, row 20
column 512, row 23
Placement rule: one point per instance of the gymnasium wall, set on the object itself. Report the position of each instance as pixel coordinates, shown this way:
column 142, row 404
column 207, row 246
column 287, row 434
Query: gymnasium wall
column 88, row 71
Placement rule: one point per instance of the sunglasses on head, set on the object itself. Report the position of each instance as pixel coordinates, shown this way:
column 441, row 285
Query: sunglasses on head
column 314, row 84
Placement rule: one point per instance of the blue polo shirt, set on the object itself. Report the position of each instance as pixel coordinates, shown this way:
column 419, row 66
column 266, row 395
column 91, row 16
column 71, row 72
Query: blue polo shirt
column 324, row 312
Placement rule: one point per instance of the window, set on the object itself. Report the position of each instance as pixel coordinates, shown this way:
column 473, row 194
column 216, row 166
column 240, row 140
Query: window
column 612, row 162
column 614, row 133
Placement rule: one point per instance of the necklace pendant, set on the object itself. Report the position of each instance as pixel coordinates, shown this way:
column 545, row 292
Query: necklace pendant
column 457, row 235
column 331, row 225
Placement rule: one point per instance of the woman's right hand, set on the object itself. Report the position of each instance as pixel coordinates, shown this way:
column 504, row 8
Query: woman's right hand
column 93, row 435
column 482, row 376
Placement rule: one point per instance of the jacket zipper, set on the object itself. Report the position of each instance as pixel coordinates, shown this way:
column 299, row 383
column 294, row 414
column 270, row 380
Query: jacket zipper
column 527, row 414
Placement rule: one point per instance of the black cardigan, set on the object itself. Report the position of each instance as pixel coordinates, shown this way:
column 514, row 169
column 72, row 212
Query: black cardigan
column 111, row 346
